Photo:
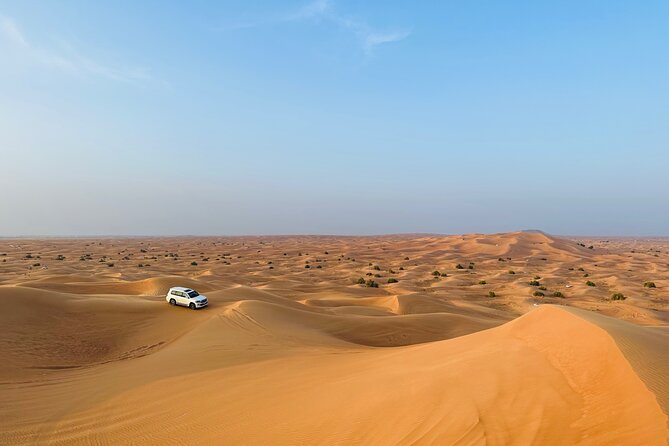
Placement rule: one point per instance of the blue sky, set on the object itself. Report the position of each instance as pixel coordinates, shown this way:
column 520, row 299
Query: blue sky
column 335, row 117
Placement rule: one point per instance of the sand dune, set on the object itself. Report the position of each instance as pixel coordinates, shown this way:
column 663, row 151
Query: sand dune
column 285, row 354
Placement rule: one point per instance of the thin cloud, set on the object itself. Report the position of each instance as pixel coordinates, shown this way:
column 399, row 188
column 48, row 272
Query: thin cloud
column 67, row 59
column 322, row 10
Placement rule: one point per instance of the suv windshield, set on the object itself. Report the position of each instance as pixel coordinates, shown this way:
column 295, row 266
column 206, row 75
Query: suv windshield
column 193, row 294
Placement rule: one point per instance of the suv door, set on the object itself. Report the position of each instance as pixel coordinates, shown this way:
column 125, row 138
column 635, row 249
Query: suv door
column 183, row 298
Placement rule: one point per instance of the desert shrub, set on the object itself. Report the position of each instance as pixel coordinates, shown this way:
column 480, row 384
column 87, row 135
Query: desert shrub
column 501, row 260
column 458, row 266
column 618, row 296
column 591, row 247
column 376, row 268
column 406, row 258
column 491, row 294
column 571, row 269
column 141, row 265
column 581, row 269
column 471, row 267
column 558, row 294
column 392, row 280
column 319, row 266
column 534, row 283
column 371, row 284
column 436, row 273
column 537, row 277
column 538, row 294
column 326, row 253
column 193, row 263
column 60, row 257
column 307, row 266
column 391, row 271
column 586, row 275
column 361, row 281
column 482, row 282
column 590, row 283
column 377, row 275
column 649, row 285
column 36, row 264
column 542, row 288
column 401, row 268
column 512, row 271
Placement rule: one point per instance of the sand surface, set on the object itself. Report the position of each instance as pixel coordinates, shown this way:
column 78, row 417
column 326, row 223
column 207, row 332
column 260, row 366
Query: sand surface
column 285, row 354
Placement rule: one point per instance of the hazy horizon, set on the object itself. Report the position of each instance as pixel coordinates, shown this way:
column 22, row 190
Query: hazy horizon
column 333, row 117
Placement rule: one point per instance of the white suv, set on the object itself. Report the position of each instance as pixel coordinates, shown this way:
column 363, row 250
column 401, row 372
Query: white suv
column 185, row 296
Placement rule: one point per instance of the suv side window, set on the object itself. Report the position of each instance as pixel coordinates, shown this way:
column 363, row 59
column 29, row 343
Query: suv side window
column 174, row 293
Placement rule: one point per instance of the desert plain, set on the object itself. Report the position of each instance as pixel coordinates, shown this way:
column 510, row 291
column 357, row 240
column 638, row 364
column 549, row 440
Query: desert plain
column 503, row 339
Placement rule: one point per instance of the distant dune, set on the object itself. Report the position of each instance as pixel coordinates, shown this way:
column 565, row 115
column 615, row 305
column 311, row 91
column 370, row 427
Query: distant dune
column 292, row 350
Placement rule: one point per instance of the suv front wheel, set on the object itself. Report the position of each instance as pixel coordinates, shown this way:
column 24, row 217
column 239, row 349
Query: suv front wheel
column 191, row 306
column 173, row 302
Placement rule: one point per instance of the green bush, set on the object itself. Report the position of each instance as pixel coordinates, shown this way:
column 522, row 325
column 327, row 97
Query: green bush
column 538, row 294
column 361, row 281
column 436, row 273
column 406, row 258
column 482, row 282
column 537, row 277
column 458, row 266
column 534, row 283
column 542, row 288
column 491, row 294
column 589, row 283
column 649, row 285
column 371, row 284
column 392, row 280
column 558, row 294
column 618, row 296
column 376, row 268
